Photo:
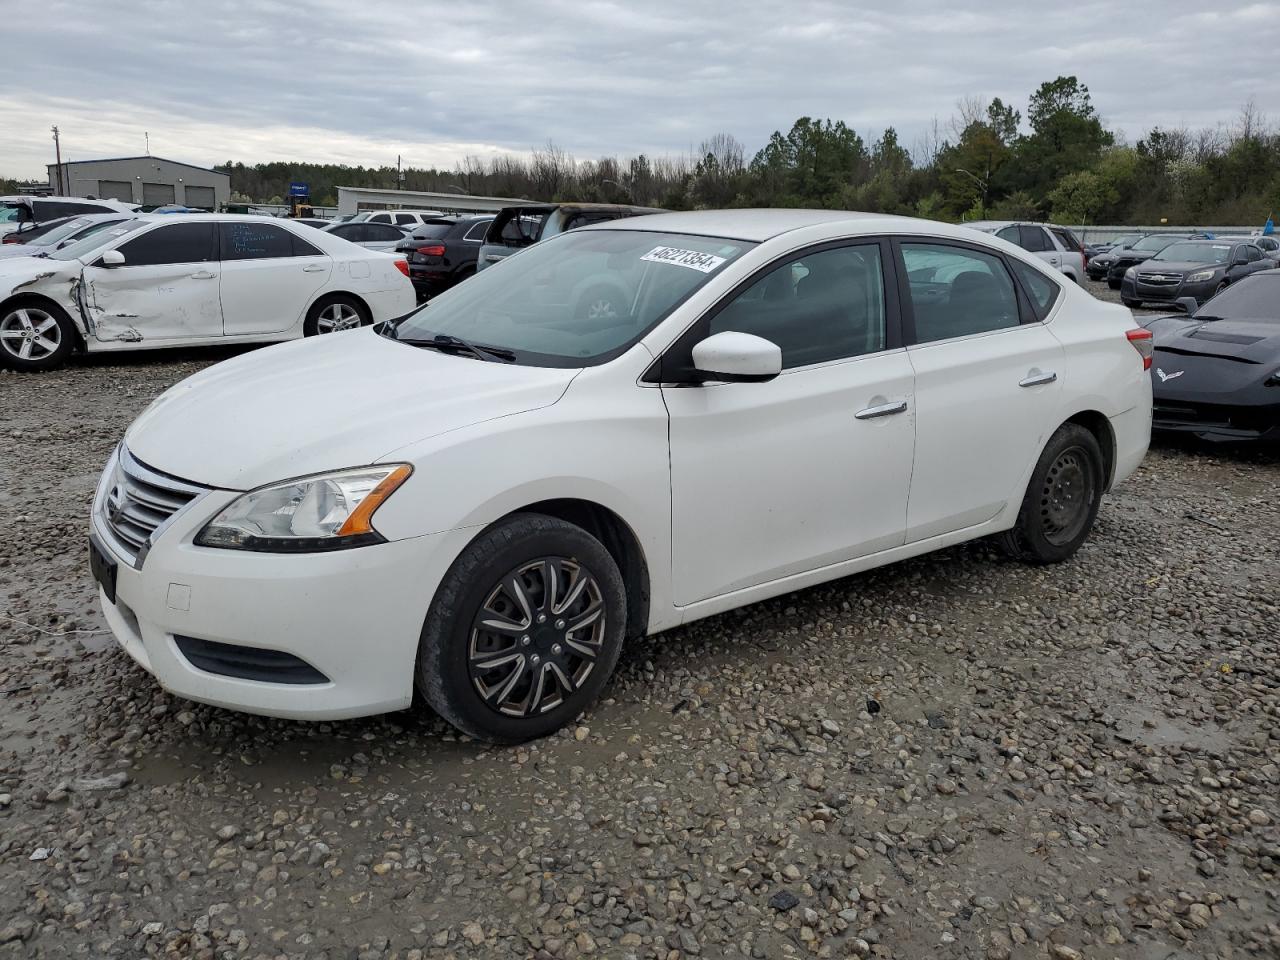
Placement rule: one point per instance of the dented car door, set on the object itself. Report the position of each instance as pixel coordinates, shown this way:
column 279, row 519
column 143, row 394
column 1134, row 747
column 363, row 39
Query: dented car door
column 166, row 288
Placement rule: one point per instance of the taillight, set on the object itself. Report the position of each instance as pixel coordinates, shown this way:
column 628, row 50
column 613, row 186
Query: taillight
column 11, row 238
column 434, row 250
column 1144, row 343
column 403, row 266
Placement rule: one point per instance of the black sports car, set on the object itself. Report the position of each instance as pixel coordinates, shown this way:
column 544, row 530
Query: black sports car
column 1216, row 371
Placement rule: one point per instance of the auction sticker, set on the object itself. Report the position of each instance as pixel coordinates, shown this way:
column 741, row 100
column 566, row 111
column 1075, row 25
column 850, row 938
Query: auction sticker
column 702, row 262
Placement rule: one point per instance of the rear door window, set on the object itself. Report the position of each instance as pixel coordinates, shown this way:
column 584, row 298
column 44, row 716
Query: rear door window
column 957, row 291
column 382, row 232
column 1010, row 233
column 1034, row 238
column 477, row 230
column 406, row 218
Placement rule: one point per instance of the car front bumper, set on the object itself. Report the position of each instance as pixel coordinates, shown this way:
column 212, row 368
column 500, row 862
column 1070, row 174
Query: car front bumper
column 1219, row 423
column 355, row 616
column 1134, row 289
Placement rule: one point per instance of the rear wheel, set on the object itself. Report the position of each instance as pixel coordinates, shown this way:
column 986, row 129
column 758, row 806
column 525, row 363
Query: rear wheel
column 524, row 630
column 334, row 314
column 35, row 336
column 1062, row 499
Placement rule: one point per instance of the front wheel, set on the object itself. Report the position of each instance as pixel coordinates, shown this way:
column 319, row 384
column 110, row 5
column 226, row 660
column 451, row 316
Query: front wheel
column 524, row 630
column 334, row 314
column 1062, row 499
column 1130, row 302
column 34, row 336
column 1113, row 284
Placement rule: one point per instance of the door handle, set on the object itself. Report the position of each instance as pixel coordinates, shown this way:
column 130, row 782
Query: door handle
column 203, row 275
column 1038, row 379
column 313, row 268
column 882, row 410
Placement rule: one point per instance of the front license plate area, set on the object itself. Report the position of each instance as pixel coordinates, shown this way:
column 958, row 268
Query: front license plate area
column 102, row 567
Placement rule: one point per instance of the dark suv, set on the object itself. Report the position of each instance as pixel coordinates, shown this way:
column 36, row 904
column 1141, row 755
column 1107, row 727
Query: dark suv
column 442, row 251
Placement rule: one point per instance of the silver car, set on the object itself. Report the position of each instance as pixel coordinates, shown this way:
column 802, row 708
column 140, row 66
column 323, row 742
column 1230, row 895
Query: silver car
column 371, row 236
column 1055, row 245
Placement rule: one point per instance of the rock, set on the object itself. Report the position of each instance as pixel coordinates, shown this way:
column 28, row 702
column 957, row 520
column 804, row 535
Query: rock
column 473, row 933
column 784, row 900
column 110, row 781
column 581, row 733
column 1061, row 951
column 227, row 832
column 153, row 929
column 830, row 726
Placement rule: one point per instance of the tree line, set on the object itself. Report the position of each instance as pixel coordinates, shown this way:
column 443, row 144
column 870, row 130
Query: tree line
column 1056, row 161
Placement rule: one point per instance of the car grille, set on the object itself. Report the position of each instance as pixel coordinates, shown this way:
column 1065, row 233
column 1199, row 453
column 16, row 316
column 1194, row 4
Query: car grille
column 138, row 501
column 1160, row 279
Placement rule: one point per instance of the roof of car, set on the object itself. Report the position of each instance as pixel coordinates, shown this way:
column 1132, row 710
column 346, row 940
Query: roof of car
column 764, row 224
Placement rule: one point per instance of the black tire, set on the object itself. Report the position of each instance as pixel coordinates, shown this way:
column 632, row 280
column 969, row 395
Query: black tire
column 479, row 580
column 1130, row 302
column 1113, row 284
column 28, row 325
column 1062, row 499
column 318, row 314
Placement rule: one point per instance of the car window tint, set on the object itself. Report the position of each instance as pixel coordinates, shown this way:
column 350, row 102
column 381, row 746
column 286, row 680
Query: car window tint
column 821, row 306
column 1066, row 238
column 1254, row 253
column 477, row 230
column 250, row 240
column 1042, row 291
column 957, row 291
column 353, row 232
column 171, row 243
column 1034, row 238
column 383, row 231
column 406, row 218
column 303, row 248
column 380, row 218
column 1010, row 233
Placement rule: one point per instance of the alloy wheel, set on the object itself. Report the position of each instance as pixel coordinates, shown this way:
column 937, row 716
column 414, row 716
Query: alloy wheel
column 536, row 637
column 1067, row 496
column 337, row 316
column 30, row 333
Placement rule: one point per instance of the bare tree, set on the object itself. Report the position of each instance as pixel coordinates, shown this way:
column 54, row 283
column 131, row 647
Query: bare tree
column 552, row 171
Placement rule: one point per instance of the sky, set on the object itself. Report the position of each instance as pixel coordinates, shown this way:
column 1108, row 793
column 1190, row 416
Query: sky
column 360, row 82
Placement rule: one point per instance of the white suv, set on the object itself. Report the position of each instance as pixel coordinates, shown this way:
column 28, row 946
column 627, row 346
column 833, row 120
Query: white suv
column 1053, row 244
column 485, row 499
column 399, row 218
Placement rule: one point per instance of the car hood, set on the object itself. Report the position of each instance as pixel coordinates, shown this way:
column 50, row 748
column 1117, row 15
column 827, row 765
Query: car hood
column 340, row 400
column 1180, row 266
column 1248, row 342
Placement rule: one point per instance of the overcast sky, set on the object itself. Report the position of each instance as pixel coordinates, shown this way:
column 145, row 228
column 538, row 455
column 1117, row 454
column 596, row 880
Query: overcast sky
column 358, row 82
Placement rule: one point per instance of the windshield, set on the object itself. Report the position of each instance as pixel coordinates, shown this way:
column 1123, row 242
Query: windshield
column 577, row 300
column 1154, row 242
column 1254, row 298
column 86, row 245
column 1126, row 241
column 1195, row 252
column 432, row 231
column 69, row 229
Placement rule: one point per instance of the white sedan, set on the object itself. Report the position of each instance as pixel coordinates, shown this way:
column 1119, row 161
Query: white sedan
column 189, row 280
column 483, row 500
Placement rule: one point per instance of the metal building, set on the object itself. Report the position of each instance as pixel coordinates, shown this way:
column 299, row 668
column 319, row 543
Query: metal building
column 150, row 181
column 358, row 199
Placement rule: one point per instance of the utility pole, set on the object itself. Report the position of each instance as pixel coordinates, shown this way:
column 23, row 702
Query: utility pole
column 147, row 139
column 57, row 151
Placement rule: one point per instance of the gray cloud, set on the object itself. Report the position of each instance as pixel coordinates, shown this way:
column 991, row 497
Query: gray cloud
column 358, row 83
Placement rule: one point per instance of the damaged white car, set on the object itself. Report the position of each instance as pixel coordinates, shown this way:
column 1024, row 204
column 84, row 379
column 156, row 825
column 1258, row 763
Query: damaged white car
column 166, row 281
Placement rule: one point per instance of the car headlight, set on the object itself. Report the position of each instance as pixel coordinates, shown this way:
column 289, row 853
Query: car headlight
column 1274, row 379
column 328, row 511
column 1131, row 272
column 1200, row 275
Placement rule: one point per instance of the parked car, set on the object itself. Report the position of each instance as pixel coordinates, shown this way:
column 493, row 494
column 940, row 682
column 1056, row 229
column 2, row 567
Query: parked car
column 403, row 218
column 55, row 234
column 371, row 236
column 318, row 222
column 443, row 252
column 32, row 232
column 1216, row 373
column 484, row 499
column 1191, row 268
column 1091, row 250
column 1112, row 265
column 1055, row 245
column 1269, row 245
column 164, row 281
column 515, row 228
column 21, row 213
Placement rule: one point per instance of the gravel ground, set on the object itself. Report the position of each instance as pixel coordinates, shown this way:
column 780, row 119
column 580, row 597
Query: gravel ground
column 957, row 756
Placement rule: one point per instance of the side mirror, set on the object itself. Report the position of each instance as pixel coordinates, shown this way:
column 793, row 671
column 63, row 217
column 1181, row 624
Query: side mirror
column 112, row 258
column 735, row 357
column 1189, row 304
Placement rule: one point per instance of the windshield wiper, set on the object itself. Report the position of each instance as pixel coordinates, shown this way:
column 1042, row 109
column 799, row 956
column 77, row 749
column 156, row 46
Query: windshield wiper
column 445, row 341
